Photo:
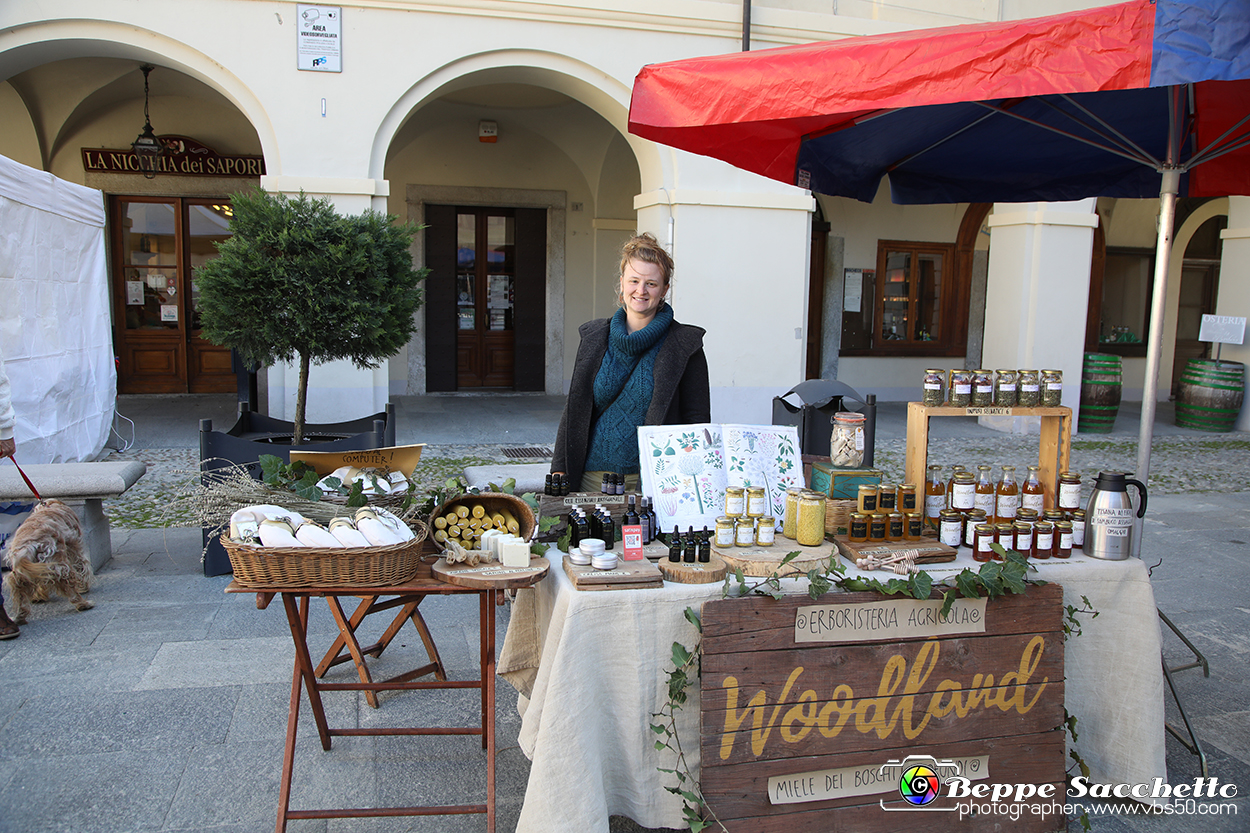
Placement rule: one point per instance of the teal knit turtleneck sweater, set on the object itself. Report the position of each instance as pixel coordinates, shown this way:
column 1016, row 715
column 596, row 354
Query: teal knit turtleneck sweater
column 622, row 392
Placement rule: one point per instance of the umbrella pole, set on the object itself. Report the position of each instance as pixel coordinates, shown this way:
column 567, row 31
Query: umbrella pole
column 1154, row 351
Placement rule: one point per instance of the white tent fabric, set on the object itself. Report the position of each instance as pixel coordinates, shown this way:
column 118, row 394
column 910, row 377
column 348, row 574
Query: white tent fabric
column 55, row 333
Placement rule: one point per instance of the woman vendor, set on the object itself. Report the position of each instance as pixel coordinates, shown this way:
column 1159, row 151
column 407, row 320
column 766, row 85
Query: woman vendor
column 639, row 367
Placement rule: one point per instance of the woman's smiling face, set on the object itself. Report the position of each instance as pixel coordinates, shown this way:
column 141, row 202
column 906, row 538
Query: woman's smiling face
column 642, row 289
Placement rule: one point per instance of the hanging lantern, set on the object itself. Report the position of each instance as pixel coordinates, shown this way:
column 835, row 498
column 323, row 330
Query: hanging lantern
column 147, row 148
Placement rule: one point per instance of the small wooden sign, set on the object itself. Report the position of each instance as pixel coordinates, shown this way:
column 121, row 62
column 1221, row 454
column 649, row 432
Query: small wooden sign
column 628, row 575
column 401, row 458
column 492, row 575
column 816, row 735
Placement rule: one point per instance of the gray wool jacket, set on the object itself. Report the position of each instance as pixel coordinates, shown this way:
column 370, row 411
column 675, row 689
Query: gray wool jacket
column 679, row 396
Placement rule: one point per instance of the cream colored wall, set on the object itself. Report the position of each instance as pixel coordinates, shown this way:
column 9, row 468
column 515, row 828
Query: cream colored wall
column 1234, row 297
column 17, row 139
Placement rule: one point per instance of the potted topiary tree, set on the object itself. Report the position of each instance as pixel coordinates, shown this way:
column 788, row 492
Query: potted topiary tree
column 297, row 280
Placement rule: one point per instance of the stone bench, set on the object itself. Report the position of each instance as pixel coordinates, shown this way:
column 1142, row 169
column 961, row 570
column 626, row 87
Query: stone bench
column 530, row 477
column 82, row 486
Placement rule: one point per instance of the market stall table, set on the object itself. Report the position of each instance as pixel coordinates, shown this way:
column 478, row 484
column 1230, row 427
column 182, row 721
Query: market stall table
column 407, row 596
column 591, row 669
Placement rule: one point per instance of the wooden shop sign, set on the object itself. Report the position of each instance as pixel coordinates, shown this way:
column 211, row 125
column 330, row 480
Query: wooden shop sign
column 183, row 157
column 811, row 709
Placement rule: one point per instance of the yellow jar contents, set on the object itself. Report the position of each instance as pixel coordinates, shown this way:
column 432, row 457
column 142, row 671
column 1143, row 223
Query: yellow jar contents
column 858, row 532
column 724, row 532
column 765, row 531
column 877, row 528
column 887, row 498
column 867, row 499
column 757, row 502
column 811, row 520
column 745, row 534
column 788, row 527
column 735, row 501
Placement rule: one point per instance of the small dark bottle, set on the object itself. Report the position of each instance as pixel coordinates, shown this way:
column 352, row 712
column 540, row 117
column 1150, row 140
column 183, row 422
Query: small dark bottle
column 620, row 484
column 631, row 512
column 655, row 518
column 575, row 532
column 564, row 484
column 583, row 528
column 674, row 545
column 605, row 486
column 644, row 518
column 705, row 547
column 690, row 552
column 547, row 485
column 609, row 529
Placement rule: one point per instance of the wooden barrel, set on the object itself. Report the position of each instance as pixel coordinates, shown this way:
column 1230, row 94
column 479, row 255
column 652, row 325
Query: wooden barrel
column 1100, row 393
column 1209, row 395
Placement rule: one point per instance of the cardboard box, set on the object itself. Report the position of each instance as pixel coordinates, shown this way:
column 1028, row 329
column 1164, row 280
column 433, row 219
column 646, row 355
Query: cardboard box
column 840, row 483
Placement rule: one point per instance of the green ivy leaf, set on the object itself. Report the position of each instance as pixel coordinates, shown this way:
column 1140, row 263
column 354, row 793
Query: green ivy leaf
column 922, row 583
column 692, row 616
column 681, row 655
column 969, row 584
column 948, row 601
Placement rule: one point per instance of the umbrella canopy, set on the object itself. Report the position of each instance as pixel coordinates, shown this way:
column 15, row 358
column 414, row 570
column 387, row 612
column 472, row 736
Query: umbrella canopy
column 1131, row 100
column 1055, row 108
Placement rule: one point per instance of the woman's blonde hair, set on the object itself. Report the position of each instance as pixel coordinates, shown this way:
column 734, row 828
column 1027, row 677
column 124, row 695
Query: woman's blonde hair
column 646, row 248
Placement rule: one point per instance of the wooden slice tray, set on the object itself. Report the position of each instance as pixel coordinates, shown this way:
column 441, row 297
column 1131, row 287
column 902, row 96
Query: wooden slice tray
column 932, row 551
column 492, row 575
column 761, row 562
column 697, row 573
column 628, row 575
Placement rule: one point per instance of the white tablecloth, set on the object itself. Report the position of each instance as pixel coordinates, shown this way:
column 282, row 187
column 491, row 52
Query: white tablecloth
column 592, row 671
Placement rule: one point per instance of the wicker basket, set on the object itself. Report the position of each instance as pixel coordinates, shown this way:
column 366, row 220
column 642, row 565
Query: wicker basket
column 493, row 501
column 838, row 516
column 327, row 567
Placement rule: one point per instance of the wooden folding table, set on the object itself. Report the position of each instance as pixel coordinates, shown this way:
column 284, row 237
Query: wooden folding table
column 407, row 597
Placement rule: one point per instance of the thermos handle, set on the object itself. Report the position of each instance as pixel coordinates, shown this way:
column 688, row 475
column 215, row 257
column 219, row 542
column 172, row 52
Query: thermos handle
column 1141, row 490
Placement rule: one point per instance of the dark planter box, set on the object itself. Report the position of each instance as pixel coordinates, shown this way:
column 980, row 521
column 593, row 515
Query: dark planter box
column 255, row 434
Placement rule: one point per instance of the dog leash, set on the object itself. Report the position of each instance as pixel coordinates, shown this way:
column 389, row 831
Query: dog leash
column 29, row 485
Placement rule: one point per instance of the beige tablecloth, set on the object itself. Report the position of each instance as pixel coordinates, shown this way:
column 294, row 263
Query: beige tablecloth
column 591, row 669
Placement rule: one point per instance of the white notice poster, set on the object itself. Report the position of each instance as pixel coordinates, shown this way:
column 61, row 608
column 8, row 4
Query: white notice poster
column 852, row 290
column 319, row 38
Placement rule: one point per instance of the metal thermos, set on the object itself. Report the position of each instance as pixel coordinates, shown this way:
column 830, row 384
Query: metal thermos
column 1109, row 517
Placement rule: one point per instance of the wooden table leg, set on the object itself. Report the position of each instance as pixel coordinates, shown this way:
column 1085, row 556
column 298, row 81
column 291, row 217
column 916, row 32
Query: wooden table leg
column 347, row 635
column 332, row 657
column 431, row 650
column 487, row 623
column 298, row 620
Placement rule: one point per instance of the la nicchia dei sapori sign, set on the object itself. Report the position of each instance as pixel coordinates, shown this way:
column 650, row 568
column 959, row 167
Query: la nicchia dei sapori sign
column 183, row 157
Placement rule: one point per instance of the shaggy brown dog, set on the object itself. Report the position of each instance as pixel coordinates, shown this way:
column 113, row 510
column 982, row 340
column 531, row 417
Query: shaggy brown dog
column 46, row 554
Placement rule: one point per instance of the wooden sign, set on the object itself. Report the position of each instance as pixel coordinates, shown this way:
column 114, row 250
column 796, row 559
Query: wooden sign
column 811, row 709
column 402, row 458
column 492, row 575
column 628, row 575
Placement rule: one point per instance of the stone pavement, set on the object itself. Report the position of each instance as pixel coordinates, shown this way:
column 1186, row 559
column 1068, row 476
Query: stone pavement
column 164, row 708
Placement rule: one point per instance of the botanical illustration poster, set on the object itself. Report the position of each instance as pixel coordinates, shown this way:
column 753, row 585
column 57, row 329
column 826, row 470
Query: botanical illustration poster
column 685, row 468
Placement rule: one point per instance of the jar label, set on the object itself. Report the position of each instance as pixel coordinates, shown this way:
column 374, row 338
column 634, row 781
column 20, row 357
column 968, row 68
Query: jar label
column 765, row 536
column 984, row 502
column 1024, row 541
column 755, row 506
column 932, row 386
column 1054, row 386
column 1008, row 505
column 1078, row 533
column 1007, row 386
column 963, row 388
column 933, row 505
column 733, row 505
column 963, row 496
column 950, row 533
column 746, row 535
column 984, row 544
column 1069, row 495
column 970, row 533
column 1033, row 502
column 1030, row 387
column 1065, row 540
column 985, row 388
column 1045, row 540
column 724, row 537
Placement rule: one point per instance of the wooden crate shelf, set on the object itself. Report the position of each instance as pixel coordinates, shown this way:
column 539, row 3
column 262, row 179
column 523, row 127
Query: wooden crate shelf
column 1054, row 452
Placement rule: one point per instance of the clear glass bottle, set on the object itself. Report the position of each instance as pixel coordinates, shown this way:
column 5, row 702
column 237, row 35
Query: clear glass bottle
column 950, row 484
column 811, row 519
column 985, row 492
column 788, row 528
column 1030, row 394
column 1033, row 494
column 846, row 443
column 1005, row 393
column 934, row 496
column 933, row 389
column 1006, row 496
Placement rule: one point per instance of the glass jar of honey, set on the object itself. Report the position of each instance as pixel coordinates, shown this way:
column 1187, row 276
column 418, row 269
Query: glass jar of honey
column 1030, row 389
column 895, row 527
column 811, row 519
column 1078, row 529
column 1033, row 494
column 765, row 531
column 982, row 388
column 724, row 532
column 982, row 538
column 1005, row 537
column 878, row 525
column 964, row 491
column 757, row 502
column 1043, row 540
column 907, row 497
column 744, row 532
column 1005, row 394
column 1069, row 494
column 1024, row 537
column 951, row 528
column 735, row 501
column 972, row 518
column 933, row 388
column 857, row 531
column 950, row 484
column 887, row 498
column 1063, row 539
column 914, row 522
column 867, row 502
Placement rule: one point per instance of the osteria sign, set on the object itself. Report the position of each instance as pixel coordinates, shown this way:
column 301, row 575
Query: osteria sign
column 804, row 705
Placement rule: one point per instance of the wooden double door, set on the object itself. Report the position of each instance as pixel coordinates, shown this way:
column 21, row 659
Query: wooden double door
column 486, row 298
column 158, row 243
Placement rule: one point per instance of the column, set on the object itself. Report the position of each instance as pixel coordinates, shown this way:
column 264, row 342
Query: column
column 1234, row 292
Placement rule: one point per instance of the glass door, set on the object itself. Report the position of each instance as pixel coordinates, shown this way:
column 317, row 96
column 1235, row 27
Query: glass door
column 156, row 248
column 485, row 299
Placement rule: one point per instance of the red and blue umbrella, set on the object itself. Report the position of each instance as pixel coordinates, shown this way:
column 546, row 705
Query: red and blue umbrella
column 1132, row 100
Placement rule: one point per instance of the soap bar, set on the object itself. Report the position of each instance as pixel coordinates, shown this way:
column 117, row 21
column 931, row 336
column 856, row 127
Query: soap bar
column 514, row 553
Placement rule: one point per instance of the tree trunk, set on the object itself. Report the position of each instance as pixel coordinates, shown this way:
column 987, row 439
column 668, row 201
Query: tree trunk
column 301, row 400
